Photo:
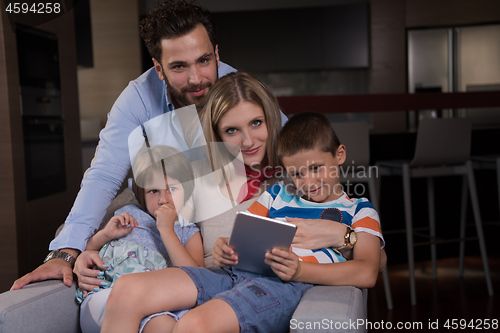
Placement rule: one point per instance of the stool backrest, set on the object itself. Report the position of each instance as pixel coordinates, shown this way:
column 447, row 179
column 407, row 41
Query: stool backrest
column 442, row 141
column 356, row 137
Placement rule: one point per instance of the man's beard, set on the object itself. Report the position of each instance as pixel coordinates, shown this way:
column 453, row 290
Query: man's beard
column 182, row 96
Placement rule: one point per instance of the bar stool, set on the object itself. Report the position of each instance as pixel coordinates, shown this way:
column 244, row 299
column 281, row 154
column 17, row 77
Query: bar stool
column 442, row 149
column 488, row 162
column 478, row 163
column 356, row 137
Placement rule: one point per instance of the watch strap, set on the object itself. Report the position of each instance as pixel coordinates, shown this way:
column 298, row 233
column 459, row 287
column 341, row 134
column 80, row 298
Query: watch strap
column 56, row 254
column 347, row 241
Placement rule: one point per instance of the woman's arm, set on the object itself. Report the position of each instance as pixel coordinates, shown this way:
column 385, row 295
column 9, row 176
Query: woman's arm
column 318, row 233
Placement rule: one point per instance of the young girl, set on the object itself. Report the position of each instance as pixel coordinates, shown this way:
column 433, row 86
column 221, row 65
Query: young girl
column 155, row 237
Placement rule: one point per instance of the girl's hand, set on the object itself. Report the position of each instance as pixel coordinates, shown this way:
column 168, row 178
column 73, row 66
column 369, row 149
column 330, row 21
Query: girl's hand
column 166, row 216
column 119, row 226
column 222, row 254
column 285, row 264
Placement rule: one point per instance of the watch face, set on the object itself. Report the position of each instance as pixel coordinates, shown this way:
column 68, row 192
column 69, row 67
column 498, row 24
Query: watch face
column 352, row 237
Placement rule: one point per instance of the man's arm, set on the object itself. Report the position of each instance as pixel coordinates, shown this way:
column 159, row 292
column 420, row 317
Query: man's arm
column 143, row 99
column 52, row 269
column 99, row 186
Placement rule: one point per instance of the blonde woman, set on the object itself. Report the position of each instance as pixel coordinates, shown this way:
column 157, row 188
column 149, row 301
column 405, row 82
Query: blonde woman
column 241, row 122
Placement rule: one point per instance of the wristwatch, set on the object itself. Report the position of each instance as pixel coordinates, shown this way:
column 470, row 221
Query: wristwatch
column 56, row 254
column 350, row 238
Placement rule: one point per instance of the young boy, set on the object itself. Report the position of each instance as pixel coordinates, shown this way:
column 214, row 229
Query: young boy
column 311, row 153
column 230, row 300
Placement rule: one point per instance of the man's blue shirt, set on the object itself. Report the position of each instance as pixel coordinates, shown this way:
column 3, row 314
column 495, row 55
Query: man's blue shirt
column 143, row 99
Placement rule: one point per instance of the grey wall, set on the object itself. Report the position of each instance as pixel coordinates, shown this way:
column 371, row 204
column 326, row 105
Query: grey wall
column 242, row 5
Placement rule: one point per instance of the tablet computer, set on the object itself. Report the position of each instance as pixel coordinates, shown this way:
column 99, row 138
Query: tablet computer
column 254, row 235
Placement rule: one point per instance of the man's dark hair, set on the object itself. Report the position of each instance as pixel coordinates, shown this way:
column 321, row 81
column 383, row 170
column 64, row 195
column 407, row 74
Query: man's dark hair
column 307, row 131
column 174, row 19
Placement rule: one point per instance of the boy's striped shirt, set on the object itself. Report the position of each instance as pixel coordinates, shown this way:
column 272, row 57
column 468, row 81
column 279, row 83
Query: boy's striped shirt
column 359, row 214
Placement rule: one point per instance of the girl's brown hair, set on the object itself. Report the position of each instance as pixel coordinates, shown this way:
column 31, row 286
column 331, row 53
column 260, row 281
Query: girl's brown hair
column 161, row 160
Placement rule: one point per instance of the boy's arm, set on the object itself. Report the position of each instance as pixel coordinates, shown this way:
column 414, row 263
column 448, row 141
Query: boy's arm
column 361, row 272
column 347, row 253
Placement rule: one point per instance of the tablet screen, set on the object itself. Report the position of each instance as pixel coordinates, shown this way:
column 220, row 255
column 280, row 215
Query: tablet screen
column 254, row 235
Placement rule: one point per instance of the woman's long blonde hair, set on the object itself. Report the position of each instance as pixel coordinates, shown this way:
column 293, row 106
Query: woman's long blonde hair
column 227, row 93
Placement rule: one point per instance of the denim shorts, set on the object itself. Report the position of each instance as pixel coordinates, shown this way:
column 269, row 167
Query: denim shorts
column 261, row 303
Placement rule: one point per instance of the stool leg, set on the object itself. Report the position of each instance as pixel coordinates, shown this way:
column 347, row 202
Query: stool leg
column 479, row 226
column 374, row 196
column 463, row 217
column 387, row 286
column 409, row 231
column 378, row 183
column 498, row 181
column 432, row 224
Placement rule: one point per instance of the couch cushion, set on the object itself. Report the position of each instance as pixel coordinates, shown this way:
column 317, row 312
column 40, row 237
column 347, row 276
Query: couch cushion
column 330, row 309
column 126, row 197
column 47, row 306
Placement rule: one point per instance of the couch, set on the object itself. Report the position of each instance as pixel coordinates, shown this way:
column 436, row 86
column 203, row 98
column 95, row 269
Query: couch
column 50, row 306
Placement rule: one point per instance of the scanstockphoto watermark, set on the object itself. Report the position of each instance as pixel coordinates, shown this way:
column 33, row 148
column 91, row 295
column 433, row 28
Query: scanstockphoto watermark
column 329, row 324
column 343, row 171
column 353, row 179
column 431, row 324
column 350, row 188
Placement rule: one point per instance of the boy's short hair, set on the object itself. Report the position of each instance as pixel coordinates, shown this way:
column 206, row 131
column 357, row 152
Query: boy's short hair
column 306, row 131
column 161, row 160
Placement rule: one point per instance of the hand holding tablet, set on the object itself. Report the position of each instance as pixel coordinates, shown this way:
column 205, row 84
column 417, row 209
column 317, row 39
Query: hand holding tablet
column 254, row 235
